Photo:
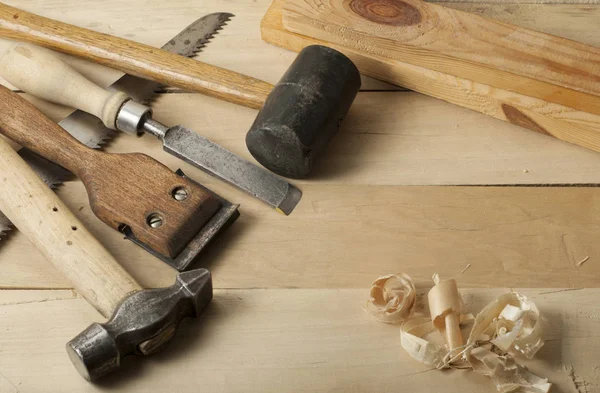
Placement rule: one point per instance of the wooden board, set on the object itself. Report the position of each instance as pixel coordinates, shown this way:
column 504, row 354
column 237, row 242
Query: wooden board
column 283, row 340
column 344, row 236
column 461, row 44
column 564, row 123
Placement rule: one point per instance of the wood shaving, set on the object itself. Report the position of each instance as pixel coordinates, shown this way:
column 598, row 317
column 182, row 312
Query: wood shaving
column 506, row 328
column 465, row 269
column 512, row 320
column 506, row 374
column 584, row 260
column 392, row 298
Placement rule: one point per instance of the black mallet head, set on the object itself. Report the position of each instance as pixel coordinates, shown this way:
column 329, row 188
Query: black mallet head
column 304, row 111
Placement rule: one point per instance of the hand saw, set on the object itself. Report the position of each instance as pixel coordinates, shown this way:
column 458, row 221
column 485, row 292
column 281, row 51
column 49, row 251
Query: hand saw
column 91, row 131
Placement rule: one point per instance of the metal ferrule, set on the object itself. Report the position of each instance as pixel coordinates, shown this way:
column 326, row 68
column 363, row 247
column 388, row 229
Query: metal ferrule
column 132, row 116
column 155, row 128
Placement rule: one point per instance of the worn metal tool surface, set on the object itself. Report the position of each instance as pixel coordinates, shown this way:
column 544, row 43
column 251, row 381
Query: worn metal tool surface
column 307, row 134
column 141, row 325
column 133, row 193
column 142, row 321
column 90, row 131
column 39, row 72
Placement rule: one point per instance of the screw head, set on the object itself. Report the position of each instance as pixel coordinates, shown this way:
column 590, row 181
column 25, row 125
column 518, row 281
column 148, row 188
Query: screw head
column 179, row 193
column 154, row 220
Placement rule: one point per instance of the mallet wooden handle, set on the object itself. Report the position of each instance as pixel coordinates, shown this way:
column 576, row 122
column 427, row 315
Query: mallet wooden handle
column 38, row 213
column 134, row 58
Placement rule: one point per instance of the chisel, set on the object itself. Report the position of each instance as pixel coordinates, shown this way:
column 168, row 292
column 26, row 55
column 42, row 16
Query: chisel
column 90, row 131
column 39, row 72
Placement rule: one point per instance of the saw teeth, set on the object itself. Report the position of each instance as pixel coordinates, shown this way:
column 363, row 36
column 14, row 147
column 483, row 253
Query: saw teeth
column 197, row 49
column 202, row 42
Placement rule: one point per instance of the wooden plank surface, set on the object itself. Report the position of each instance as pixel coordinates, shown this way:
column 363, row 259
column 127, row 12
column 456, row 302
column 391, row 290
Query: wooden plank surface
column 283, row 340
column 567, row 124
column 457, row 43
column 287, row 312
column 343, row 236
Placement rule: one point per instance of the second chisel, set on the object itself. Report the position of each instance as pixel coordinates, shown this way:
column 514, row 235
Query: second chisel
column 39, row 72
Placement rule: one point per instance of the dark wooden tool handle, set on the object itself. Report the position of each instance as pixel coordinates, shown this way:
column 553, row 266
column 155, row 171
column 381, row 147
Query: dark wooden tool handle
column 26, row 125
column 125, row 190
column 134, row 58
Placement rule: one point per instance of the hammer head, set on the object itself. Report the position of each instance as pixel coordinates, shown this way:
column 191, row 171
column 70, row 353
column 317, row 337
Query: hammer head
column 303, row 111
column 143, row 323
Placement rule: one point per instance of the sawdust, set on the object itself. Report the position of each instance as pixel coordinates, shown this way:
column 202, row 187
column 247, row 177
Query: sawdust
column 584, row 260
column 465, row 268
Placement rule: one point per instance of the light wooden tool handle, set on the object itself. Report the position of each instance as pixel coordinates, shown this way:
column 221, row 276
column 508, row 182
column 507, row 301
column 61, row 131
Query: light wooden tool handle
column 134, row 58
column 40, row 73
column 38, row 213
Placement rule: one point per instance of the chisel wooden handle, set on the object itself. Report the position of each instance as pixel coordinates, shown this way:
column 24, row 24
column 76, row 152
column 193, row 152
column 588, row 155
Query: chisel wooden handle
column 131, row 190
column 41, row 73
column 134, row 58
column 39, row 214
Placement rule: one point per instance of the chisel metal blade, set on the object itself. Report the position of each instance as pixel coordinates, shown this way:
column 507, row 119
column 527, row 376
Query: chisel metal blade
column 217, row 161
column 90, row 131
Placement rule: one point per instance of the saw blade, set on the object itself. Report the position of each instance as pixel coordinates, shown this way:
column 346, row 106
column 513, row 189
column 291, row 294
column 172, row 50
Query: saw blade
column 90, row 131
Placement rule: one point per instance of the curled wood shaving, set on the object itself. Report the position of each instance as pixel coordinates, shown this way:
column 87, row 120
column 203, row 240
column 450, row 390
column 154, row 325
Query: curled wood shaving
column 512, row 325
column 412, row 333
column 426, row 352
column 507, row 327
column 506, row 374
column 512, row 320
column 392, row 298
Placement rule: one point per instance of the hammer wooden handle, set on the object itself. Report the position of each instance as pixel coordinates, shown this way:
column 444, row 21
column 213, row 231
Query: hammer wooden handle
column 41, row 73
column 134, row 58
column 38, row 213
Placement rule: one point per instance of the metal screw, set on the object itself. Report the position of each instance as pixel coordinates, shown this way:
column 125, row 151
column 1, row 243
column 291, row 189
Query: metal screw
column 154, row 220
column 179, row 193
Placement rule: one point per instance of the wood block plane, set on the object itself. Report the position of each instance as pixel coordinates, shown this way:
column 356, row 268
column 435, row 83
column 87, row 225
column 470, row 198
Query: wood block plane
column 541, row 82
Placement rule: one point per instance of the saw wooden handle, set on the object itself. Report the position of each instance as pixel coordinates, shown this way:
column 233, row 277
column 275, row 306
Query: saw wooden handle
column 39, row 214
column 39, row 72
column 126, row 191
column 134, row 58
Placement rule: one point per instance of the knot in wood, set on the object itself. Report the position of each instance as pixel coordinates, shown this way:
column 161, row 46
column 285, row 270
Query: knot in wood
column 389, row 12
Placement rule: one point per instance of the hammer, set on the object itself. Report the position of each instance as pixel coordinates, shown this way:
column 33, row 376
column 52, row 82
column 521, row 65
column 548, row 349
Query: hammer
column 298, row 117
column 142, row 321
